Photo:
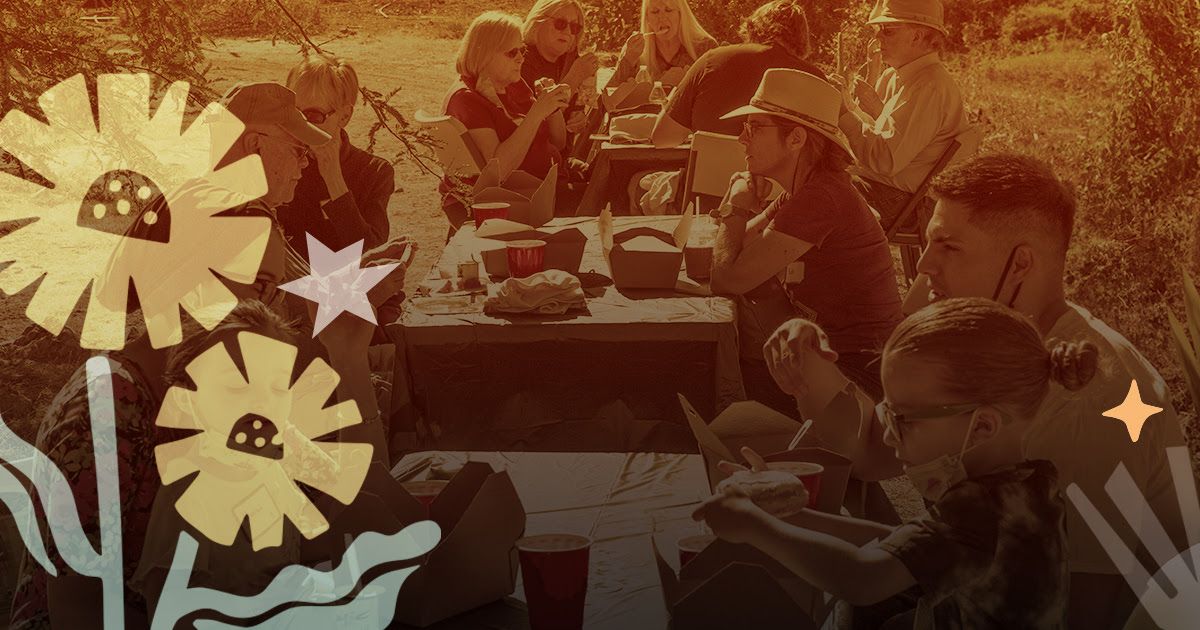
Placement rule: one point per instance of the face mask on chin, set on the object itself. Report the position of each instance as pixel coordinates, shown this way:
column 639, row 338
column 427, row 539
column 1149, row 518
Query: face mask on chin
column 933, row 478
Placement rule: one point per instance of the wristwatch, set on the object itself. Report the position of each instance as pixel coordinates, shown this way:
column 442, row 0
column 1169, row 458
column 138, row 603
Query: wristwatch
column 730, row 210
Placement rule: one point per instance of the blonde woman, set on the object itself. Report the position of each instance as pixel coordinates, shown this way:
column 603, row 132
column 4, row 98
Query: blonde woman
column 670, row 37
column 343, row 193
column 505, row 119
column 552, row 32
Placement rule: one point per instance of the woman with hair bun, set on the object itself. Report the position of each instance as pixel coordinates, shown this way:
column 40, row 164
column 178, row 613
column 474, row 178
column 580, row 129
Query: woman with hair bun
column 962, row 380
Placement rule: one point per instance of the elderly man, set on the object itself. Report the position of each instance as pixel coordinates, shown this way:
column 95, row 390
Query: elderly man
column 800, row 253
column 1001, row 229
column 901, row 124
column 775, row 36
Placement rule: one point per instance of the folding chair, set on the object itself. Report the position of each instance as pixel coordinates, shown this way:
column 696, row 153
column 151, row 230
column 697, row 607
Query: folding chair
column 713, row 159
column 911, row 244
column 456, row 152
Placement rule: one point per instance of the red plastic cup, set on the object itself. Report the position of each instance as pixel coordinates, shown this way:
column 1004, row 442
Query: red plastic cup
column 425, row 491
column 808, row 473
column 526, row 258
column 691, row 546
column 554, row 568
column 485, row 211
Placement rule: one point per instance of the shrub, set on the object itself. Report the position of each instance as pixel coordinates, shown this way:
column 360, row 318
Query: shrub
column 1034, row 22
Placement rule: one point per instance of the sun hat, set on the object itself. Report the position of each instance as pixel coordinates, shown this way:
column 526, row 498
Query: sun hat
column 271, row 103
column 799, row 97
column 923, row 12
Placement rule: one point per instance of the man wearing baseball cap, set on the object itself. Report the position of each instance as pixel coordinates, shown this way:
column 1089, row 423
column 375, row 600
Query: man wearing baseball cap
column 900, row 121
column 797, row 255
column 276, row 131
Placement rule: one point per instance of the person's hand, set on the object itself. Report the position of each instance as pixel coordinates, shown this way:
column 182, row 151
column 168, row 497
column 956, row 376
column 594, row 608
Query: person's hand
column 400, row 248
column 576, row 122
column 747, row 191
column 633, row 48
column 867, row 98
column 731, row 515
column 874, row 65
column 584, row 66
column 326, row 155
column 347, row 335
column 550, row 101
column 790, row 349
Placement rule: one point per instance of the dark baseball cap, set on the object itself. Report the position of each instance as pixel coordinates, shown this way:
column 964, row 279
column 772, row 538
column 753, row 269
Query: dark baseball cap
column 271, row 103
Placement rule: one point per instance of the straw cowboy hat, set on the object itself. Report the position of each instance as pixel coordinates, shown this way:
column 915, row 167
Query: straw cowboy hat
column 923, row 12
column 799, row 97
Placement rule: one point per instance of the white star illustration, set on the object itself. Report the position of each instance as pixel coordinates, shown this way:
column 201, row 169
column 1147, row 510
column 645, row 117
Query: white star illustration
column 337, row 283
column 1133, row 412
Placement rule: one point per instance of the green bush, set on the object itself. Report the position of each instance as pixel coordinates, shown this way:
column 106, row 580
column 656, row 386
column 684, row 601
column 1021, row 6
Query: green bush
column 243, row 18
column 1150, row 150
column 1034, row 21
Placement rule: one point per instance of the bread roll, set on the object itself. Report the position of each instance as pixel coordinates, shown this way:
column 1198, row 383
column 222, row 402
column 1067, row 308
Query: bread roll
column 778, row 493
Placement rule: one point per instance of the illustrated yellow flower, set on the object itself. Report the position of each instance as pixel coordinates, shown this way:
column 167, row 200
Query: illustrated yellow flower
column 103, row 174
column 256, row 440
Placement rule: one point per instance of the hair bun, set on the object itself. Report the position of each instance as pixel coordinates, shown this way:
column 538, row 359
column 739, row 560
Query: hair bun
column 1073, row 365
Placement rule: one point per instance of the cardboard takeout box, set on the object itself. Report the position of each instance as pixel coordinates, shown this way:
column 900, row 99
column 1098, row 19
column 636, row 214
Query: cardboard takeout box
column 530, row 199
column 475, row 563
column 768, row 432
column 564, row 245
column 736, row 586
column 643, row 257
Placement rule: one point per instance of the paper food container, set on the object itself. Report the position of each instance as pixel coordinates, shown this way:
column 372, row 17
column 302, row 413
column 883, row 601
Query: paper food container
column 530, row 199
column 474, row 564
column 643, row 257
column 736, row 586
column 564, row 245
column 628, row 95
column 768, row 432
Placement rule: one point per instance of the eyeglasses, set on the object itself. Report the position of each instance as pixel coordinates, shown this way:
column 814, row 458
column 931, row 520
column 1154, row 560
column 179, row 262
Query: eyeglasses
column 888, row 30
column 891, row 420
column 562, row 24
column 751, row 127
column 268, row 291
column 316, row 116
column 301, row 150
column 519, row 51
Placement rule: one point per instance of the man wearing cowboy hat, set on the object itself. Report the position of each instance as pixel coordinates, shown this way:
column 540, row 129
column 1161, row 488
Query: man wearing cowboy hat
column 798, row 255
column 899, row 125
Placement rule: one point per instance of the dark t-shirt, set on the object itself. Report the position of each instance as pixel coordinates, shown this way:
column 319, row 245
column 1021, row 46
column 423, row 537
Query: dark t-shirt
column 848, row 277
column 724, row 79
column 992, row 554
column 475, row 111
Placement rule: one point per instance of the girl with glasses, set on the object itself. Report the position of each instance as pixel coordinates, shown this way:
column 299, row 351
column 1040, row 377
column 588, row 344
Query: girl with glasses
column 505, row 119
column 670, row 37
column 962, row 380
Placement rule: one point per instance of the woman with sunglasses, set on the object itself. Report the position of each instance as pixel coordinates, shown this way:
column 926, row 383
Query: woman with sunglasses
column 343, row 194
column 670, row 37
column 962, row 380
column 552, row 32
column 505, row 119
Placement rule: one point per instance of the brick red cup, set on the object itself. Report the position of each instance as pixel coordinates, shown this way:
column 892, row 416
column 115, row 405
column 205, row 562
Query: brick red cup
column 526, row 258
column 554, row 568
column 425, row 491
column 808, row 473
column 484, row 211
column 691, row 547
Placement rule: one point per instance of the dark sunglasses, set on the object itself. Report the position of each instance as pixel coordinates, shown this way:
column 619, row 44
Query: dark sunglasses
column 519, row 51
column 268, row 291
column 316, row 116
column 562, row 24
